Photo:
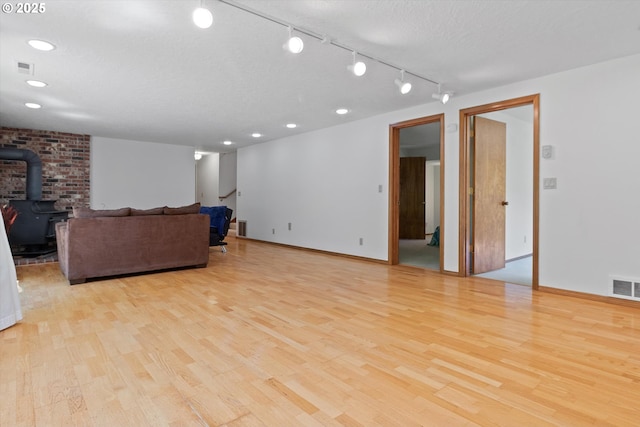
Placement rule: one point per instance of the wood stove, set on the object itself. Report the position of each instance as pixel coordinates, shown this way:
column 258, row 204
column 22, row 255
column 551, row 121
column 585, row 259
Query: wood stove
column 33, row 232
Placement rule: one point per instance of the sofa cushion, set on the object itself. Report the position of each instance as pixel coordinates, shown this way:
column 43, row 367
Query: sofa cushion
column 190, row 209
column 92, row 213
column 152, row 211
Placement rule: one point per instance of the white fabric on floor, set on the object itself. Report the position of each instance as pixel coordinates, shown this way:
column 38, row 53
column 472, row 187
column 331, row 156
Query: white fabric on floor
column 10, row 311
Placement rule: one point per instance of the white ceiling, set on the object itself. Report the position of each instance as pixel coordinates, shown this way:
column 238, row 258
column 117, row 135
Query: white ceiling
column 141, row 70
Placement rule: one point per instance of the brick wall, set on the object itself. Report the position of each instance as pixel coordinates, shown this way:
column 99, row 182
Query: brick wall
column 65, row 166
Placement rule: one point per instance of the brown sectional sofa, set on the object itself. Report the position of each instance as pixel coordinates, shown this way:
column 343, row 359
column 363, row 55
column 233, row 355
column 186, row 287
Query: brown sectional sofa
column 122, row 241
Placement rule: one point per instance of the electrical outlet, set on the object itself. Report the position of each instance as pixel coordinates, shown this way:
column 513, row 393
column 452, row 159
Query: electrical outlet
column 380, row 188
column 289, row 225
column 273, row 231
column 361, row 241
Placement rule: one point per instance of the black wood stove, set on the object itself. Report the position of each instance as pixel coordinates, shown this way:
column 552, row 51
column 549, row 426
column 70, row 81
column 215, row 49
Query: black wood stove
column 33, row 233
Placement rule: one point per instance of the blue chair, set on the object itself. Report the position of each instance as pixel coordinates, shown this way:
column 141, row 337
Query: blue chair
column 220, row 220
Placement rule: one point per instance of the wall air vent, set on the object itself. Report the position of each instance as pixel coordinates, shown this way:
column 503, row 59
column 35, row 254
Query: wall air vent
column 25, row 68
column 242, row 229
column 625, row 288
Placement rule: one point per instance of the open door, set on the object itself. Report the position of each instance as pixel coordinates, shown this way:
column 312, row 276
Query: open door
column 394, row 183
column 466, row 234
column 412, row 197
column 489, row 192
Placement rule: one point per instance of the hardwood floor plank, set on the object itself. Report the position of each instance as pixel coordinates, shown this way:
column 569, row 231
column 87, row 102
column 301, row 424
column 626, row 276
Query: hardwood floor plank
column 268, row 335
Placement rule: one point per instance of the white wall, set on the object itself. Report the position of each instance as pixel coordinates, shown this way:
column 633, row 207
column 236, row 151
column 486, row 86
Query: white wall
column 216, row 177
column 207, row 173
column 140, row 174
column 228, row 177
column 326, row 182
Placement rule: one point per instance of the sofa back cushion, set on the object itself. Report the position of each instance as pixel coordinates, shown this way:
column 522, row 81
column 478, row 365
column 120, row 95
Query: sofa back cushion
column 152, row 211
column 92, row 213
column 190, row 209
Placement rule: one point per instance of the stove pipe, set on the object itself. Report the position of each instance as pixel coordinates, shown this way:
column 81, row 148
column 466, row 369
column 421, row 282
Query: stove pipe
column 34, row 169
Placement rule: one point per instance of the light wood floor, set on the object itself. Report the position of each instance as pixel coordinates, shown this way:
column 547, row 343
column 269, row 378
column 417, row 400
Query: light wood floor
column 274, row 336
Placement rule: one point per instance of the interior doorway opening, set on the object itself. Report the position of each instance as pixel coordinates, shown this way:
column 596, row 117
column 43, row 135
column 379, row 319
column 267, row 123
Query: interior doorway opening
column 499, row 190
column 416, row 192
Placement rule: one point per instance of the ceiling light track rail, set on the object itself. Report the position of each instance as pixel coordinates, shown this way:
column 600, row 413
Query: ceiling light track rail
column 323, row 38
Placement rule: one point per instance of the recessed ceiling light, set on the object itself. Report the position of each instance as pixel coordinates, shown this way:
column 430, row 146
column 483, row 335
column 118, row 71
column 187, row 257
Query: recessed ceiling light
column 342, row 111
column 202, row 17
column 32, row 105
column 256, row 135
column 227, row 142
column 292, row 125
column 41, row 45
column 36, row 83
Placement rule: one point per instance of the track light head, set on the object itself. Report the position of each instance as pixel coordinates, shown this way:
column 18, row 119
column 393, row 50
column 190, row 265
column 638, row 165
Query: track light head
column 442, row 97
column 202, row 17
column 294, row 44
column 358, row 68
column 405, row 87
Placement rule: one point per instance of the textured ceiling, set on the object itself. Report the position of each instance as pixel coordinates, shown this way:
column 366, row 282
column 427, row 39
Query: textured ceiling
column 141, row 70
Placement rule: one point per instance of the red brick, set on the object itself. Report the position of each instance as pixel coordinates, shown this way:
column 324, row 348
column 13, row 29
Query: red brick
column 65, row 166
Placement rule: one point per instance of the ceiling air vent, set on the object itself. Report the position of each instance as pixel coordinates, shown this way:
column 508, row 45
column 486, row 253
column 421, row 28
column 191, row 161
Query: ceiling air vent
column 625, row 287
column 25, row 68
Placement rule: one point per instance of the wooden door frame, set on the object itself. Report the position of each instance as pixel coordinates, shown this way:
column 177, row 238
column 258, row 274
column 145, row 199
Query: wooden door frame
column 394, row 185
column 463, row 229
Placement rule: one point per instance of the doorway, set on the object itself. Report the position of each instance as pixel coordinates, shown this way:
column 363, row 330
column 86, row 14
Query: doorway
column 415, row 192
column 488, row 219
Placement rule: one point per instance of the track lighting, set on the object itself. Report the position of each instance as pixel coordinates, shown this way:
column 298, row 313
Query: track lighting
column 202, row 16
column 442, row 97
column 405, row 87
column 294, row 44
column 358, row 68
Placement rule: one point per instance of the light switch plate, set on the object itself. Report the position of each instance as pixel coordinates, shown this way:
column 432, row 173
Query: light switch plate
column 549, row 183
